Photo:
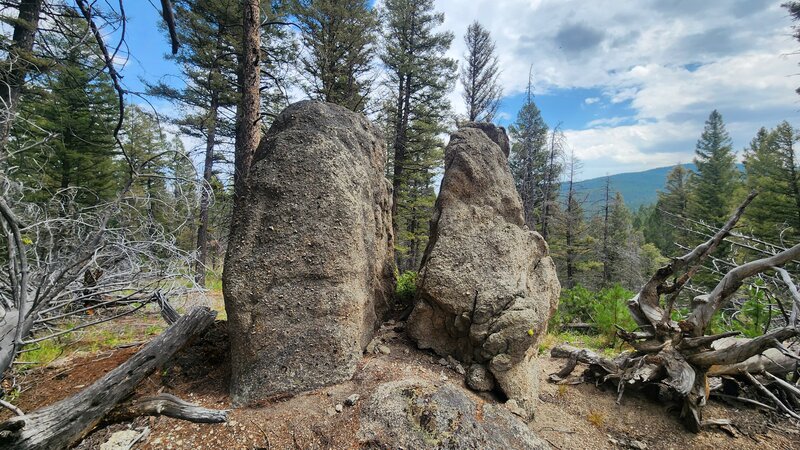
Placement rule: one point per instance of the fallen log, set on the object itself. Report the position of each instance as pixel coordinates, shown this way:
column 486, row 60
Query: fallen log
column 64, row 423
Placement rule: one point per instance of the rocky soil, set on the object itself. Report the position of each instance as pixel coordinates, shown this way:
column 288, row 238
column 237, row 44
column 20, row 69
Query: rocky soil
column 337, row 417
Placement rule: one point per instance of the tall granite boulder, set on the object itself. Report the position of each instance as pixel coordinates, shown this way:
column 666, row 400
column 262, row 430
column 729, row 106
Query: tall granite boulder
column 487, row 286
column 309, row 271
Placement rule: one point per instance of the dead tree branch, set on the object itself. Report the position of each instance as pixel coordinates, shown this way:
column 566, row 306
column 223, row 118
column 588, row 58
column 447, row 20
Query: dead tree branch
column 166, row 405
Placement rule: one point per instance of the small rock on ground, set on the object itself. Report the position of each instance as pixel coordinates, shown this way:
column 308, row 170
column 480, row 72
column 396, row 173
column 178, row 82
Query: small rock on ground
column 121, row 440
column 352, row 400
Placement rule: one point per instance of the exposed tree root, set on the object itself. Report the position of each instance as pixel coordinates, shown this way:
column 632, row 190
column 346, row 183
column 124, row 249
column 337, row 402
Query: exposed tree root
column 677, row 357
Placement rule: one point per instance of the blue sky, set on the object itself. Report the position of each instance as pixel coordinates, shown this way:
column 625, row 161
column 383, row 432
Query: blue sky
column 631, row 82
column 148, row 47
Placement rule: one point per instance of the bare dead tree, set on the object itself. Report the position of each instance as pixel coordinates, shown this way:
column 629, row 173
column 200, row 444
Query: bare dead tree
column 62, row 264
column 552, row 177
column 677, row 356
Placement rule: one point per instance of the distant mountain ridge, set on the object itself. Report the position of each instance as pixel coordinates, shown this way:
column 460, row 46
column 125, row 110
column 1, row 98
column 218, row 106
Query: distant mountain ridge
column 637, row 188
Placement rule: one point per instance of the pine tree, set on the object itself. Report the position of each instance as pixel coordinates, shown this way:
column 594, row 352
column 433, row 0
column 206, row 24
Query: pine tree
column 794, row 12
column 479, row 75
column 571, row 243
column 552, row 179
column 717, row 177
column 624, row 246
column 339, row 37
column 668, row 224
column 419, row 196
column 210, row 36
column 208, row 31
column 529, row 159
column 249, row 108
column 771, row 167
column 183, row 187
column 419, row 77
column 18, row 62
column 148, row 150
column 74, row 105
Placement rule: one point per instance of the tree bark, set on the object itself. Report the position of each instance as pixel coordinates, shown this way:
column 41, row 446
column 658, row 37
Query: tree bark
column 63, row 424
column 248, row 120
column 400, row 138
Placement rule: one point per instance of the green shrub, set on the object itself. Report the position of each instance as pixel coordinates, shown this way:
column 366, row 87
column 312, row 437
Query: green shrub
column 604, row 309
column 406, row 287
column 753, row 316
column 611, row 308
column 575, row 305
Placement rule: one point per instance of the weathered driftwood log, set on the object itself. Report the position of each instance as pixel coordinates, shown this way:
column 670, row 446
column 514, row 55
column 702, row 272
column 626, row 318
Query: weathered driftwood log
column 677, row 356
column 165, row 405
column 64, row 423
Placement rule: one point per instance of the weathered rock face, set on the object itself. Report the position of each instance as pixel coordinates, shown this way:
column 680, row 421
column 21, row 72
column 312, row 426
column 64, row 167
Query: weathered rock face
column 417, row 414
column 487, row 285
column 309, row 268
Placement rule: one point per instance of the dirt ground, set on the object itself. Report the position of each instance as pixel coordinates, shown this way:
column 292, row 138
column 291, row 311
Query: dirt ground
column 569, row 416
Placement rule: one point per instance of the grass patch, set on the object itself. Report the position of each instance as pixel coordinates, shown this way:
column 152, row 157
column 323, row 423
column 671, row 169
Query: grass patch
column 155, row 329
column 595, row 342
column 40, row 353
column 105, row 336
column 596, row 418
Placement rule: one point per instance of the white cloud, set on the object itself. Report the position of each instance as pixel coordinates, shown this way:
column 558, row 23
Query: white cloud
column 591, row 100
column 670, row 62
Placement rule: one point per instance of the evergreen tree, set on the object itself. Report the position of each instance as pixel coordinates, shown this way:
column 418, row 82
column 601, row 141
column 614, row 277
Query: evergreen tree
column 794, row 12
column 74, row 106
column 571, row 243
column 419, row 196
column 208, row 32
column 479, row 75
column 717, row 177
column 210, row 36
column 605, row 237
column 183, row 187
column 149, row 152
column 624, row 247
column 668, row 222
column 529, row 159
column 17, row 63
column 552, row 179
column 339, row 37
column 771, row 167
column 419, row 77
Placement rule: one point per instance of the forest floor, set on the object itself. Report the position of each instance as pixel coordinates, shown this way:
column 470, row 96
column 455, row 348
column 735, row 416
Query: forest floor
column 569, row 416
